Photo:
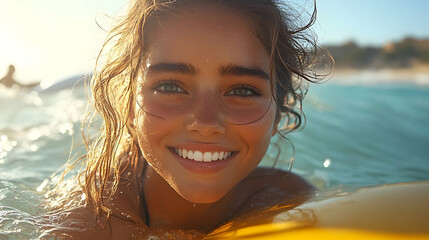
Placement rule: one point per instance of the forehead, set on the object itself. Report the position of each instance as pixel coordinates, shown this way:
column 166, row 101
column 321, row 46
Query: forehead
column 205, row 35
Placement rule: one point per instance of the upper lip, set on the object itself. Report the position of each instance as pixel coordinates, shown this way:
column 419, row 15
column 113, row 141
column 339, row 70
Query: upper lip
column 204, row 147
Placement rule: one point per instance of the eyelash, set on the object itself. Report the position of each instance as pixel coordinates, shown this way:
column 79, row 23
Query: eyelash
column 254, row 91
column 165, row 83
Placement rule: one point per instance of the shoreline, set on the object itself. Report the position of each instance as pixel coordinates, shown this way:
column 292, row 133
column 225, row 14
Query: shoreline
column 418, row 74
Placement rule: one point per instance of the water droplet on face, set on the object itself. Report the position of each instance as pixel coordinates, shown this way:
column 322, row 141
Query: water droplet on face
column 194, row 205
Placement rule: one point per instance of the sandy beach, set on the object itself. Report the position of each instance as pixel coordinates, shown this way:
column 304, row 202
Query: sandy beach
column 417, row 74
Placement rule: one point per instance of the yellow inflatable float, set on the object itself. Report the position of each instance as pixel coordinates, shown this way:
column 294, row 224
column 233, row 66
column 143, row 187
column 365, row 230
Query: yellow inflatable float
column 397, row 211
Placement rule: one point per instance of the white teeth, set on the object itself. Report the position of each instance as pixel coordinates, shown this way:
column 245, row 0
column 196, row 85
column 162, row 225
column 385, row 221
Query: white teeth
column 202, row 156
column 190, row 155
column 198, row 156
column 208, row 157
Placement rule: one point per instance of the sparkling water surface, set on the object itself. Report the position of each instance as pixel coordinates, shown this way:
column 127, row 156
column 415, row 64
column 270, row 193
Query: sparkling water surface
column 356, row 135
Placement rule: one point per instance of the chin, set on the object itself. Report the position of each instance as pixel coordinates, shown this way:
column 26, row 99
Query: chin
column 201, row 196
column 203, row 199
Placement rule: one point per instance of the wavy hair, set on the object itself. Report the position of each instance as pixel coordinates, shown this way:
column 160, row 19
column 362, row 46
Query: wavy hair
column 293, row 55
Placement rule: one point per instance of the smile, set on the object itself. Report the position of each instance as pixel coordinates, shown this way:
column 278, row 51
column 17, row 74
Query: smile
column 199, row 156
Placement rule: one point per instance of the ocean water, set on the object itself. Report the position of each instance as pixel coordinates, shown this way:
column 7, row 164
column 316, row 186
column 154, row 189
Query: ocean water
column 357, row 134
column 364, row 134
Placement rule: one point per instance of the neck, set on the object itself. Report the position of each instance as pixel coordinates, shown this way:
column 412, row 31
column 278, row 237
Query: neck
column 167, row 209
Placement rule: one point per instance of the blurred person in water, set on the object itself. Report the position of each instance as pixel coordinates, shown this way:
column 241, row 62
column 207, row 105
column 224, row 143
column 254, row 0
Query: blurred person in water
column 9, row 81
column 191, row 94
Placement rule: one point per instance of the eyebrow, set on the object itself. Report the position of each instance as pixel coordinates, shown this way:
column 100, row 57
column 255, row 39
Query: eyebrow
column 172, row 68
column 184, row 68
column 242, row 71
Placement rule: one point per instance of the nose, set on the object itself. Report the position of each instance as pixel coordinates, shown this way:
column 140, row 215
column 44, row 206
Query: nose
column 206, row 117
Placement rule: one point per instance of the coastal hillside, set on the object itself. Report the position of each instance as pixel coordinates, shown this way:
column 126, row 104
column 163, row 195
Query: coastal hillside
column 407, row 53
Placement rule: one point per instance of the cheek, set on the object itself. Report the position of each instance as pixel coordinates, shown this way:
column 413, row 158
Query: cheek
column 258, row 135
column 264, row 128
column 149, row 136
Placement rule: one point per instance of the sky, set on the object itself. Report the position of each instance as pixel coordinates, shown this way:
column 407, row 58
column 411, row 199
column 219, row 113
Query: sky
column 55, row 39
column 372, row 22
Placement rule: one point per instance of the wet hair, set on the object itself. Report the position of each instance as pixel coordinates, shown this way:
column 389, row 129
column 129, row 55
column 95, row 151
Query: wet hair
column 293, row 53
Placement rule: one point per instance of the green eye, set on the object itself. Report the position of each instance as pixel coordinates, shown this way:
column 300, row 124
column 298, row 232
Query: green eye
column 243, row 91
column 168, row 87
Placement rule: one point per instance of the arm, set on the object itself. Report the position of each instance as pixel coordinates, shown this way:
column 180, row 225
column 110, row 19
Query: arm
column 30, row 85
column 9, row 81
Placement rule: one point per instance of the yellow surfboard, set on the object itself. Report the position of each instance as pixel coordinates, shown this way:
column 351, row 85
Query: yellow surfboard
column 397, row 211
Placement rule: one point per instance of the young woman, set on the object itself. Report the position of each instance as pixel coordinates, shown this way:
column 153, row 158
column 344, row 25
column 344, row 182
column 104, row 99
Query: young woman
column 191, row 93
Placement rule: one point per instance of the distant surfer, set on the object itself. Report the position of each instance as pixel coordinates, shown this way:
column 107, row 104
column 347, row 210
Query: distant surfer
column 8, row 81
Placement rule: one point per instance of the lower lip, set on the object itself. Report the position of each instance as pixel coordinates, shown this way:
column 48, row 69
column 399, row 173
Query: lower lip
column 204, row 167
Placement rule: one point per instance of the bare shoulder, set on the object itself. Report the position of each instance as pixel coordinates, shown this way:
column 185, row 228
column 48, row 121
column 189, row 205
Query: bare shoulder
column 83, row 223
column 266, row 187
column 76, row 223
column 281, row 180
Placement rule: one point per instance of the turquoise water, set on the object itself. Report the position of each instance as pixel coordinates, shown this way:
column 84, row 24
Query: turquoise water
column 356, row 135
column 370, row 134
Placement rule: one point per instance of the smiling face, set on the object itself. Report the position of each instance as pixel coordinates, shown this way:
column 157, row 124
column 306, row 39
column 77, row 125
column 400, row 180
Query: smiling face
column 205, row 113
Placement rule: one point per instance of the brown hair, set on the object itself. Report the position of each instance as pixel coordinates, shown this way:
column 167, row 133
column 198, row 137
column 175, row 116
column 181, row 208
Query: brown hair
column 292, row 52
